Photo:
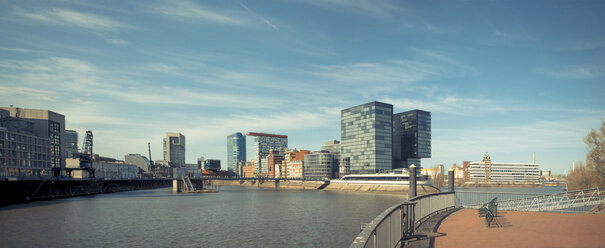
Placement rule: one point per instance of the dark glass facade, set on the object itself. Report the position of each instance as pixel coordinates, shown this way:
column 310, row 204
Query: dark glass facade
column 366, row 138
column 236, row 150
column 411, row 138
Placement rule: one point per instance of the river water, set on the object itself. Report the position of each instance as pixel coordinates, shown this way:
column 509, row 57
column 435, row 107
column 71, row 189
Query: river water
column 234, row 217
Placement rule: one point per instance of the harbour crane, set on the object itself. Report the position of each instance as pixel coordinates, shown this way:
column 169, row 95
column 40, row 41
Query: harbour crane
column 86, row 156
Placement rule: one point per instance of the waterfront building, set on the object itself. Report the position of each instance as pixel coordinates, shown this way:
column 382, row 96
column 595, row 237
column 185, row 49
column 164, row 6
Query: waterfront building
column 296, row 169
column 503, row 172
column 105, row 168
column 236, row 150
column 366, row 138
column 71, row 144
column 319, row 165
column 248, row 170
column 22, row 152
column 289, row 157
column 333, row 147
column 212, row 164
column 263, row 143
column 174, row 148
column 138, row 160
column 274, row 161
column 411, row 138
column 49, row 125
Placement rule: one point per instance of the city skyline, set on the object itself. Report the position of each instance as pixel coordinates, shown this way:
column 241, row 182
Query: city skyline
column 510, row 78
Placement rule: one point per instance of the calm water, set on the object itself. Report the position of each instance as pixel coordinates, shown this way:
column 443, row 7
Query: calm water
column 234, row 217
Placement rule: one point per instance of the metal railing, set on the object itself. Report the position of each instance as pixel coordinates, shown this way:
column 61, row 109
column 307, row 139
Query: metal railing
column 399, row 221
column 572, row 201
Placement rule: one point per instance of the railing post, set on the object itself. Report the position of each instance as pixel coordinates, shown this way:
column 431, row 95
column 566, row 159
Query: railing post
column 450, row 180
column 412, row 190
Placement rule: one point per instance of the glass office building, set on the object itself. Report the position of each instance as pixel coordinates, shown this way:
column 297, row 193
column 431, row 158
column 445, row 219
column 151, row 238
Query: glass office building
column 366, row 138
column 236, row 150
column 411, row 138
column 174, row 148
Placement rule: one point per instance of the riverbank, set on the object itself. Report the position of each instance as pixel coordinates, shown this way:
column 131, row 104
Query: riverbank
column 20, row 191
column 320, row 185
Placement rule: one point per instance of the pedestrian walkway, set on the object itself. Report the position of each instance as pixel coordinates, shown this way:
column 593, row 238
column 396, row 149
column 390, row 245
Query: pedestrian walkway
column 521, row 229
column 425, row 234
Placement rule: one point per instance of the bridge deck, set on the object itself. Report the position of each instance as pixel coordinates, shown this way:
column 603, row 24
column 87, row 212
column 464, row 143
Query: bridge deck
column 522, row 229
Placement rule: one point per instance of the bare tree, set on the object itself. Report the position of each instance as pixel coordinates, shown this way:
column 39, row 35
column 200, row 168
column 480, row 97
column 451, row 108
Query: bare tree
column 595, row 158
column 438, row 177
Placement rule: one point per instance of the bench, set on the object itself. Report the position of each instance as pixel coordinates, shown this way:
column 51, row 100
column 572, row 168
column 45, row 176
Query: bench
column 489, row 211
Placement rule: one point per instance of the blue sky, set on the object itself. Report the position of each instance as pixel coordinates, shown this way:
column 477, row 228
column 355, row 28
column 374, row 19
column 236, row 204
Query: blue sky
column 508, row 77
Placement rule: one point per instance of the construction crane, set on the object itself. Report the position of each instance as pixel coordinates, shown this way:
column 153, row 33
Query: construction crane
column 151, row 165
column 487, row 165
column 86, row 157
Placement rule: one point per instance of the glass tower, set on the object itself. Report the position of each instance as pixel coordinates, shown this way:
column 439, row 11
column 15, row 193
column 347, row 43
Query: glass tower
column 366, row 138
column 236, row 150
column 411, row 138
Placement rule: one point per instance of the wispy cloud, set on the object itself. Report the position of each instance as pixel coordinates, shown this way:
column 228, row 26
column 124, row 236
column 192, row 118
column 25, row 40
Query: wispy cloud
column 71, row 18
column 117, row 41
column 187, row 10
column 378, row 8
column 574, row 72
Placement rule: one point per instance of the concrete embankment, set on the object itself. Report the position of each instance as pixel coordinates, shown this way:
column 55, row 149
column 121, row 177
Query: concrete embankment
column 30, row 190
column 315, row 185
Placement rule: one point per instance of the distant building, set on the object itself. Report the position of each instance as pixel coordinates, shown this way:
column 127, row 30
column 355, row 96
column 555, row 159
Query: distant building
column 105, row 168
column 503, row 172
column 411, row 138
column 263, row 143
column 333, row 147
column 137, row 159
column 296, row 169
column 174, row 148
column 366, row 138
column 46, row 125
column 22, row 152
column 248, row 170
column 289, row 157
column 236, row 150
column 274, row 161
column 71, row 144
column 212, row 164
column 319, row 165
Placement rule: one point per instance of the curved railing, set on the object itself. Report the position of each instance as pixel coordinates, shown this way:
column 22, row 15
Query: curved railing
column 399, row 221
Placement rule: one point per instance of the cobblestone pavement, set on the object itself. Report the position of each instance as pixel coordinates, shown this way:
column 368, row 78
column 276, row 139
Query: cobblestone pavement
column 522, row 229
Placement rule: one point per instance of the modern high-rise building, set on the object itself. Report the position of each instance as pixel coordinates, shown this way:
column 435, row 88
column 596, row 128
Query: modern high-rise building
column 236, row 150
column 263, row 143
column 71, row 143
column 174, row 148
column 411, row 138
column 366, row 138
column 49, row 125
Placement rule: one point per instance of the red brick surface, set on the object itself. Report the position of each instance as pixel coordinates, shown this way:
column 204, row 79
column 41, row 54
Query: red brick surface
column 522, row 229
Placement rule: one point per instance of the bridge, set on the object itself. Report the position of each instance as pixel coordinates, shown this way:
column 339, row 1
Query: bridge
column 261, row 180
column 403, row 222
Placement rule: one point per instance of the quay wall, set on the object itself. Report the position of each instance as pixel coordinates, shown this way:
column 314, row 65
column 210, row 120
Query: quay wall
column 317, row 185
column 31, row 190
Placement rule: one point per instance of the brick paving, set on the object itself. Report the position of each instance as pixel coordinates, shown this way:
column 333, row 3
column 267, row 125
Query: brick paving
column 522, row 229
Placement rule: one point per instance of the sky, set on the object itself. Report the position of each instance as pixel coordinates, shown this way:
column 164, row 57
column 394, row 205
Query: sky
column 505, row 77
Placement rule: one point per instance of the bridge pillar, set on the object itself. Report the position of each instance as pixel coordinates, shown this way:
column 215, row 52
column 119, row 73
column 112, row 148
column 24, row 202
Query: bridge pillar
column 412, row 191
column 450, row 180
column 276, row 184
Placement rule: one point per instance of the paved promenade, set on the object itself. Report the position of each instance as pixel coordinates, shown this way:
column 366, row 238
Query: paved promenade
column 522, row 229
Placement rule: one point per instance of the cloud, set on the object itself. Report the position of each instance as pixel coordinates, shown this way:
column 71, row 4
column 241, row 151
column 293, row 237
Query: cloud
column 377, row 8
column 573, row 72
column 186, row 10
column 71, row 18
column 117, row 41
column 445, row 104
column 393, row 71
